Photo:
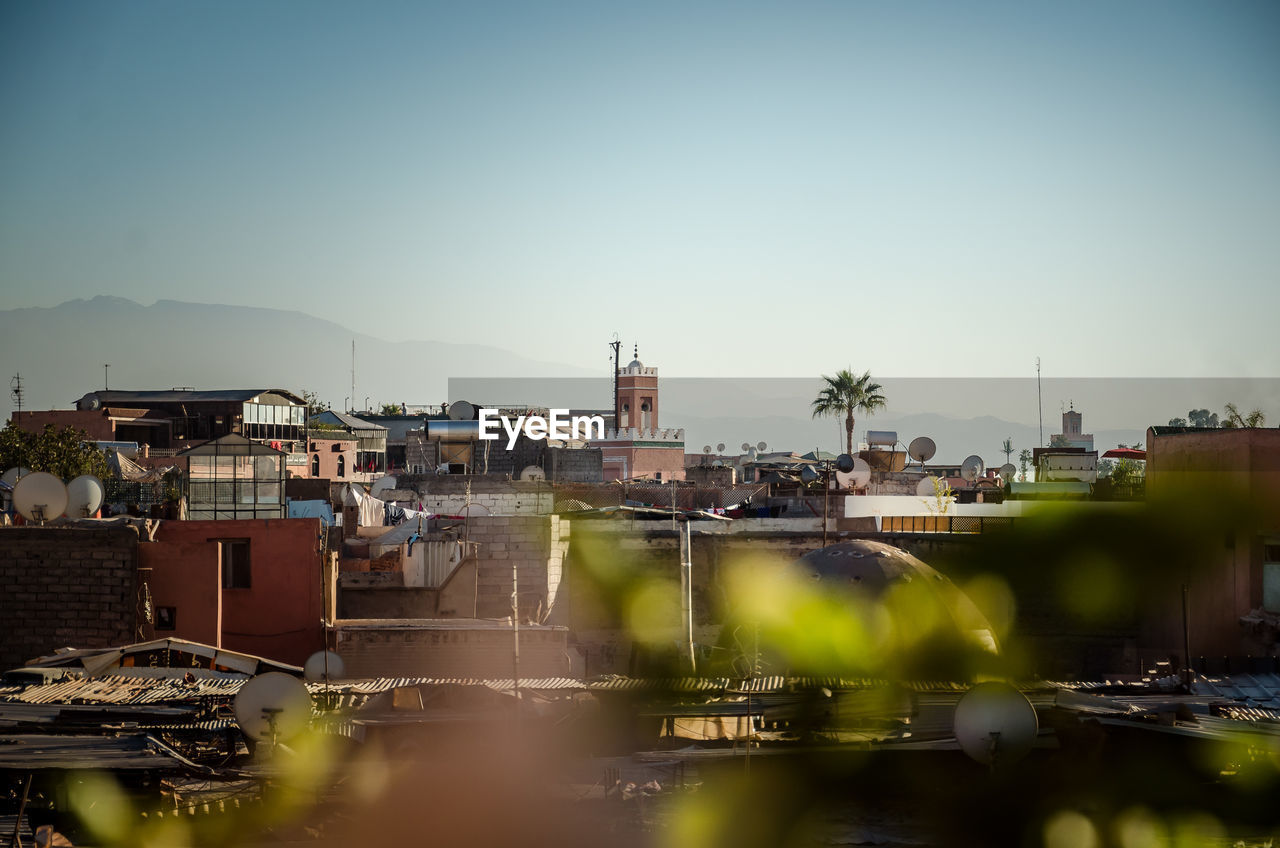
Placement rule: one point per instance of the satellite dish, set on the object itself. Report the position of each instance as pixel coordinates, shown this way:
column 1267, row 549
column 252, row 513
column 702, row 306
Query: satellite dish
column 844, row 479
column 317, row 664
column 762, row 446
column 14, row 474
column 1007, row 471
column 972, row 467
column 861, row 473
column 922, row 449
column 84, row 496
column 472, row 510
column 40, row 496
column 272, row 706
column 382, row 484
column 925, row 488
column 845, row 463
column 706, row 448
column 808, row 475
column 720, row 448
column 995, row 723
column 461, row 411
column 746, row 446
column 717, row 463
column 532, row 474
column 752, row 453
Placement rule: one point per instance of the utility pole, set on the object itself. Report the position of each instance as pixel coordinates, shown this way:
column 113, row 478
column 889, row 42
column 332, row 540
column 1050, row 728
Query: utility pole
column 686, row 592
column 1039, row 401
column 106, row 373
column 353, row 372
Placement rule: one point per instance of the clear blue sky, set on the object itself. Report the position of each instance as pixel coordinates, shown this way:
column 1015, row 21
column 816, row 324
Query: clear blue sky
column 775, row 189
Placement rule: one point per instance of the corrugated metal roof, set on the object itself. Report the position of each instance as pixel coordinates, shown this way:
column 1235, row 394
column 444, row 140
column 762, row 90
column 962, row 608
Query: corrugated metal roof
column 126, row 690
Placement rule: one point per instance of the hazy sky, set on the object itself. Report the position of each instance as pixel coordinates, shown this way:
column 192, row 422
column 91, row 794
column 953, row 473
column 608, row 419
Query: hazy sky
column 773, row 189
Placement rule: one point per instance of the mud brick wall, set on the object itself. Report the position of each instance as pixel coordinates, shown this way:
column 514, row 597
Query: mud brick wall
column 537, row 545
column 574, row 465
column 65, row 586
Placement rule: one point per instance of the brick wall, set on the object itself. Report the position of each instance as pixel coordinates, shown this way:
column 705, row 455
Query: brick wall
column 536, row 544
column 65, row 586
column 448, row 493
column 574, row 465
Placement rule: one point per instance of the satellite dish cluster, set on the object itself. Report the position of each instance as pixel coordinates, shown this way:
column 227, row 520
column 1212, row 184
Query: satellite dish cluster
column 39, row 496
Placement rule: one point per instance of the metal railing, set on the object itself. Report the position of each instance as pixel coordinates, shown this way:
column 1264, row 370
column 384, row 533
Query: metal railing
column 943, row 523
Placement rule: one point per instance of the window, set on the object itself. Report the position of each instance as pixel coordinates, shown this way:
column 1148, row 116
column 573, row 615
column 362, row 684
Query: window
column 1271, row 577
column 166, row 618
column 234, row 554
column 342, row 466
column 315, row 465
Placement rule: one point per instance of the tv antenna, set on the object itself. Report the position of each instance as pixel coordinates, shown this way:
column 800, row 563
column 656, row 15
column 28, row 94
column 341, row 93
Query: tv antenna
column 971, row 469
column 15, row 386
column 40, row 497
column 922, row 449
column 272, row 707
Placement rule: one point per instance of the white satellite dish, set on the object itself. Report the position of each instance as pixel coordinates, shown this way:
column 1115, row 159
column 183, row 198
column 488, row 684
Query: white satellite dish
column 84, row 496
column 925, row 488
column 844, row 479
column 532, row 474
column 860, row 476
column 746, row 446
column 762, row 446
column 322, row 664
column 995, row 723
column 720, row 448
column 972, row 467
column 474, row 510
column 717, row 463
column 461, row 411
column 272, row 706
column 922, row 449
column 1007, row 471
column 14, row 474
column 706, row 448
column 382, row 484
column 39, row 496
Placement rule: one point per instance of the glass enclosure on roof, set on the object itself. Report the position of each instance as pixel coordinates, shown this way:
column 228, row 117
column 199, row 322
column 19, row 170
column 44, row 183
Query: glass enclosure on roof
column 232, row 478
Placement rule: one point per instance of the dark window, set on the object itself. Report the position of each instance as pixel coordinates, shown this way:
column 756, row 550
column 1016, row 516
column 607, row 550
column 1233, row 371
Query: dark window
column 235, row 563
column 342, row 466
column 315, row 465
column 1271, row 553
column 166, row 618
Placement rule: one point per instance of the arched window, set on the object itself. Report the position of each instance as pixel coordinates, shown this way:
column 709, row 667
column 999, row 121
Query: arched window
column 626, row 416
column 315, row 465
column 644, row 415
column 342, row 466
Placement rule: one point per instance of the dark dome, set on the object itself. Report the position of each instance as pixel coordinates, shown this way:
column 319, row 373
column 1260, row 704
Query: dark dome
column 871, row 568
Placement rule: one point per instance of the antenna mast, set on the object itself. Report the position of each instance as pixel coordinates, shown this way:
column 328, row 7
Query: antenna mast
column 1039, row 401
column 16, row 386
column 353, row 373
column 616, row 344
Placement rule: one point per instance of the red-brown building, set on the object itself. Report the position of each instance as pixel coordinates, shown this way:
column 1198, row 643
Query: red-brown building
column 331, row 456
column 639, row 448
column 1234, row 605
column 254, row 586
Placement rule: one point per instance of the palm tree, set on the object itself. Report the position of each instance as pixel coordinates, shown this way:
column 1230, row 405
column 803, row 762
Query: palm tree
column 1234, row 419
column 1007, row 448
column 845, row 394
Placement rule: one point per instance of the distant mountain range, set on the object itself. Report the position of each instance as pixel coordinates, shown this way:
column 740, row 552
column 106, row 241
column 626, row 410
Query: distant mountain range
column 60, row 352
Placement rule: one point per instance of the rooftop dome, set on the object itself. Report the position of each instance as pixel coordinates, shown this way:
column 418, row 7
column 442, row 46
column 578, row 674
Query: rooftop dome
column 873, row 568
column 635, row 363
